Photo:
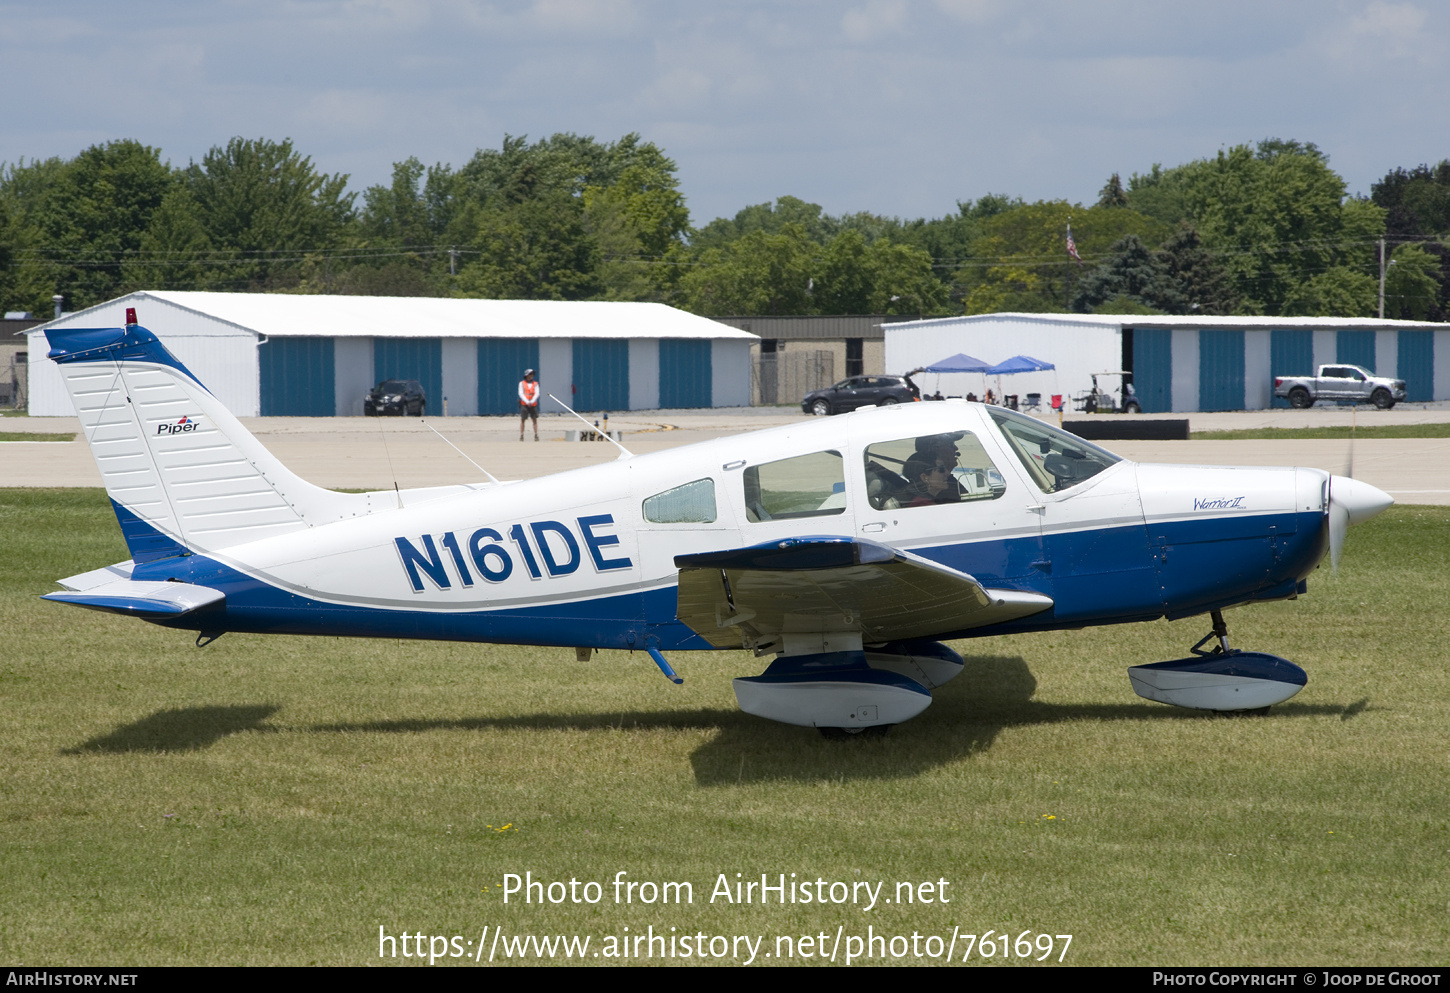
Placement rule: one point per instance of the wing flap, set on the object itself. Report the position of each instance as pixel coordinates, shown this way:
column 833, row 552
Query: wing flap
column 831, row 584
column 138, row 599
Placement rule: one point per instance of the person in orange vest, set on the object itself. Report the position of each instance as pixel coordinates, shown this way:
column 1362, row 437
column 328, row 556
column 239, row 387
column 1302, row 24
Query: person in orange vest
column 528, row 403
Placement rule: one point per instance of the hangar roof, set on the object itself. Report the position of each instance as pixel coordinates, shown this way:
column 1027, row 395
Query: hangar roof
column 336, row 316
column 1165, row 321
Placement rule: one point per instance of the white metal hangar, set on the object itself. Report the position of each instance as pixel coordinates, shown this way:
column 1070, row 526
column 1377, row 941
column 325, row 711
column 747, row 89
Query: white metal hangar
column 1180, row 363
column 275, row 354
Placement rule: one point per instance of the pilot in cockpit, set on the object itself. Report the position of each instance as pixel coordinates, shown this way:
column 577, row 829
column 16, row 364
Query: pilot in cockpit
column 937, row 448
column 926, row 476
column 931, row 483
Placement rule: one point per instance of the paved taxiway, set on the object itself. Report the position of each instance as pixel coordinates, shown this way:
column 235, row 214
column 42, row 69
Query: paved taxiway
column 372, row 453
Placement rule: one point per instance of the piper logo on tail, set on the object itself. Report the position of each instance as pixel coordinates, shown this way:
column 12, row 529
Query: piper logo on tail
column 180, row 427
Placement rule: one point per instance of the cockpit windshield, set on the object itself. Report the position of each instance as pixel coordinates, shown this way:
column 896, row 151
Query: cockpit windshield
column 1055, row 459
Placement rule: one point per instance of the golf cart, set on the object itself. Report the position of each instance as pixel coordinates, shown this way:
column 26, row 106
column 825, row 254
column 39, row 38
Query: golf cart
column 1123, row 400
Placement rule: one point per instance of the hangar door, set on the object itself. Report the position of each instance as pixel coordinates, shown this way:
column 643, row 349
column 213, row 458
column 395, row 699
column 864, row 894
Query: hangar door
column 1291, row 353
column 1220, row 369
column 601, row 374
column 295, row 376
column 685, row 373
column 412, row 358
column 501, row 364
column 1153, row 369
column 1354, row 348
column 1417, row 364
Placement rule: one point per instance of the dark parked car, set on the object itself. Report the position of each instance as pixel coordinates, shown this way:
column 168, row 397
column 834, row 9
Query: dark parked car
column 396, row 397
column 860, row 391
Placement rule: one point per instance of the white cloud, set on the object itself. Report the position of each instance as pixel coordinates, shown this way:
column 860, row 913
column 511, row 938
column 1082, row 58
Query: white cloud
column 893, row 106
column 971, row 11
column 1384, row 30
column 612, row 16
column 870, row 21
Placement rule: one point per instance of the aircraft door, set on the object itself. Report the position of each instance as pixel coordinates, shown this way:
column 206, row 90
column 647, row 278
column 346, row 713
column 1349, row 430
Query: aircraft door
column 946, row 497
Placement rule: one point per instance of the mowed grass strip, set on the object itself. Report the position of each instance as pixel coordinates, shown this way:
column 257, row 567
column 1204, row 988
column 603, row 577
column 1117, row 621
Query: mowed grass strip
column 35, row 436
column 277, row 800
column 1437, row 430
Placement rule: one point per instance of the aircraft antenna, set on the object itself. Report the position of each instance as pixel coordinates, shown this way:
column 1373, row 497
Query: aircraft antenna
column 627, row 453
column 391, row 471
column 460, row 451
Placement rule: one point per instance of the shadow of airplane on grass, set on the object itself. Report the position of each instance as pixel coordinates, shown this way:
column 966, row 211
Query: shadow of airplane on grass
column 965, row 718
column 187, row 729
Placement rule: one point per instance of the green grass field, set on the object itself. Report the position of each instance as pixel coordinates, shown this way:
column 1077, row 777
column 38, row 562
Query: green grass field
column 35, row 436
column 277, row 800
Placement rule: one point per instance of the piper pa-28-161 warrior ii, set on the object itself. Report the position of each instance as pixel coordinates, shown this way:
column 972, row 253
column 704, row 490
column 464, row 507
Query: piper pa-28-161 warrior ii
column 848, row 548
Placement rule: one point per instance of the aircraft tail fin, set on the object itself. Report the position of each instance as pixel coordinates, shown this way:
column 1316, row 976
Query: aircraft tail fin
column 181, row 470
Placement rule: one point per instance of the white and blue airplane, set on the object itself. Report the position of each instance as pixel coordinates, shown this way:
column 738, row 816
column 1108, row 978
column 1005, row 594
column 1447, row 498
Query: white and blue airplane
column 848, row 548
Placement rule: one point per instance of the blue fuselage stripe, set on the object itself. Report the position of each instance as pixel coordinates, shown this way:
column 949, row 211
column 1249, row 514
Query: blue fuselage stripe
column 1108, row 575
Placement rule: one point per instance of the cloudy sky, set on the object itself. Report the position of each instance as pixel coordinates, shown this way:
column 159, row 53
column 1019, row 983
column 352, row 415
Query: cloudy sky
column 894, row 106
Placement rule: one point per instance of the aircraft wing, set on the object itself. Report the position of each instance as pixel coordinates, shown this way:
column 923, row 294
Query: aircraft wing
column 832, row 584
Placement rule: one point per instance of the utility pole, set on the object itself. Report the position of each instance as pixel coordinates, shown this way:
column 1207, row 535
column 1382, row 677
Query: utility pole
column 1382, row 279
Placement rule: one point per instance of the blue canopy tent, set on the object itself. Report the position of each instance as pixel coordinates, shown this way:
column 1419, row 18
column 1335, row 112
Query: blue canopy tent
column 1019, row 363
column 1016, row 364
column 960, row 362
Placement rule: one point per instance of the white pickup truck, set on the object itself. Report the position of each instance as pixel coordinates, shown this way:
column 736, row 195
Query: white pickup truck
column 1340, row 382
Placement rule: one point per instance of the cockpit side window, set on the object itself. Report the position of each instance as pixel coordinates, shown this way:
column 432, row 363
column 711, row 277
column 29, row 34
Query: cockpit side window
column 1055, row 459
column 929, row 470
column 805, row 486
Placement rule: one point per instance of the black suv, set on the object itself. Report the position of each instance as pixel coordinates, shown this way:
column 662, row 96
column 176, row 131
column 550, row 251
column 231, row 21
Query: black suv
column 396, row 397
column 860, row 391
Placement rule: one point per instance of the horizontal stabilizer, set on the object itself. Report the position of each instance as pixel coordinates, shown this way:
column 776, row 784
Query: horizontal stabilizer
column 150, row 600
column 835, row 584
column 98, row 577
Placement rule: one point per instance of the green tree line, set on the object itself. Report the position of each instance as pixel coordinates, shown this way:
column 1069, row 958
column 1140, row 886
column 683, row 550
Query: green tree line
column 1267, row 228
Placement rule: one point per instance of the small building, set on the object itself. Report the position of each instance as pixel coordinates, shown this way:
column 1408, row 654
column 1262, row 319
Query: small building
column 14, row 377
column 283, row 354
column 1179, row 364
column 797, row 354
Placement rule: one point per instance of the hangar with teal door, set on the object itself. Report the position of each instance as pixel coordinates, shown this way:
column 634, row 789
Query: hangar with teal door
column 283, row 354
column 1176, row 364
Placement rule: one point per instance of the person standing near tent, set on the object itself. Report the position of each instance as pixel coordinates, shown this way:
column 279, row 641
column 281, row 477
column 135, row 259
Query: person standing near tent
column 528, row 403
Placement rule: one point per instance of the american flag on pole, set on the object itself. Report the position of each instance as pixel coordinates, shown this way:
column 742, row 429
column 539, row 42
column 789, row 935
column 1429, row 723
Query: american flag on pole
column 1072, row 245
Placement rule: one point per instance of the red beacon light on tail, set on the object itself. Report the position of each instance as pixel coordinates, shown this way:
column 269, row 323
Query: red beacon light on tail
column 130, row 316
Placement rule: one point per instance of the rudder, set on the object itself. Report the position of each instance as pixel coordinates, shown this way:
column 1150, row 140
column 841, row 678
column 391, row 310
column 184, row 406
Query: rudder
column 175, row 462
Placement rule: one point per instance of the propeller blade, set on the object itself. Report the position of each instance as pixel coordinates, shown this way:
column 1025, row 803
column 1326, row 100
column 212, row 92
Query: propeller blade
column 1351, row 501
column 1353, row 423
column 1338, row 524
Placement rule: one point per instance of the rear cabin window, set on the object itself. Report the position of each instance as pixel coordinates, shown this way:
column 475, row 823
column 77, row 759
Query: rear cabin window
column 930, row 470
column 806, row 486
column 693, row 503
